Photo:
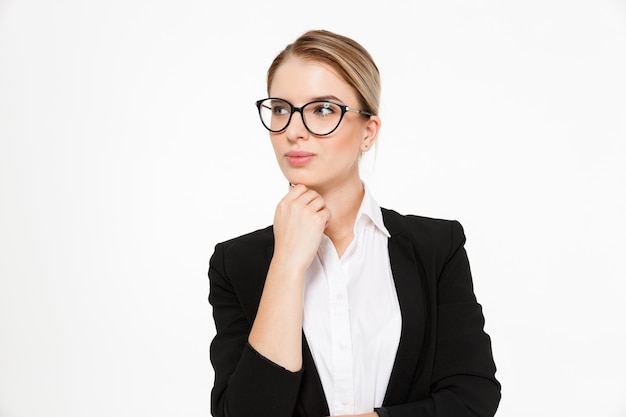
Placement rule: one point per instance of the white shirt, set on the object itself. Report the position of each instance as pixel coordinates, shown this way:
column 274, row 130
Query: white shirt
column 352, row 316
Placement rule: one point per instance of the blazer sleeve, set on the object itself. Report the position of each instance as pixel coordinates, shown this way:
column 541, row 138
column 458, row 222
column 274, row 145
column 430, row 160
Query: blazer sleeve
column 246, row 383
column 463, row 382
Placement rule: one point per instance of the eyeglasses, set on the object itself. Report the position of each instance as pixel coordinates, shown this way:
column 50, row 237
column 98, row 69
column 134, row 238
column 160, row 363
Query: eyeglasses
column 320, row 117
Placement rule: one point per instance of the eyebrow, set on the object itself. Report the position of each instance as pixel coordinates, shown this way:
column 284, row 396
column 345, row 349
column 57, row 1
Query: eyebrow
column 327, row 97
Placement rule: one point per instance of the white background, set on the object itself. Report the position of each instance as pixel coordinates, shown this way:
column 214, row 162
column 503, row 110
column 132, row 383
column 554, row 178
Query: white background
column 130, row 145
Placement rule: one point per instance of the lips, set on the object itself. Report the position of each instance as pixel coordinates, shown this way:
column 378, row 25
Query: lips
column 299, row 158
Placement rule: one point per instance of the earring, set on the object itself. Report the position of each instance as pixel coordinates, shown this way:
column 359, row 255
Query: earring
column 366, row 146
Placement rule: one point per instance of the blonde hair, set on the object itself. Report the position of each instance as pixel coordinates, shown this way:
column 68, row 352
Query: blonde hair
column 348, row 58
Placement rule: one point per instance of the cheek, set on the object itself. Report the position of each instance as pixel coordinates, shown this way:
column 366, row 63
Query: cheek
column 347, row 148
column 350, row 144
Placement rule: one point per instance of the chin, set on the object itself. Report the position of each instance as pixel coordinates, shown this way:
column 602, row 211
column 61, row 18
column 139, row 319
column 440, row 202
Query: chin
column 307, row 178
column 298, row 178
column 302, row 181
column 296, row 181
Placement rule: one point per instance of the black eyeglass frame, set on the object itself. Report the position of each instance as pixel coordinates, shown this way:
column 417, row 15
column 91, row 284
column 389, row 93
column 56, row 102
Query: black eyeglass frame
column 343, row 107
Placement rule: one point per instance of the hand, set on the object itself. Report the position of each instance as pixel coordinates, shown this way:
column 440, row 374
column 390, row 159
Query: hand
column 300, row 219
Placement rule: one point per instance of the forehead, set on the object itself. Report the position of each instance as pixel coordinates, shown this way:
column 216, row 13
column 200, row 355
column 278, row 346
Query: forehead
column 299, row 81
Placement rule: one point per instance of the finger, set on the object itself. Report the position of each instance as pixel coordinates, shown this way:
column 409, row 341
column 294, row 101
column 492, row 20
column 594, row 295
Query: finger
column 308, row 196
column 317, row 204
column 296, row 191
column 325, row 214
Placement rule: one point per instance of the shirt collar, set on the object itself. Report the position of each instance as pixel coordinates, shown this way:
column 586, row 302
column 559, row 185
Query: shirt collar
column 370, row 209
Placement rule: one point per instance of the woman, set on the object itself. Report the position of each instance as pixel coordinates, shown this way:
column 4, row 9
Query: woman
column 342, row 308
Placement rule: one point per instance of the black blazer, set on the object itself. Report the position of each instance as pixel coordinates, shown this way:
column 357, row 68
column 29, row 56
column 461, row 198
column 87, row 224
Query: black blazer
column 443, row 366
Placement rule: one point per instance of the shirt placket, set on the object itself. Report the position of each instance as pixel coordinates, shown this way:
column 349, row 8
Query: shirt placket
column 343, row 381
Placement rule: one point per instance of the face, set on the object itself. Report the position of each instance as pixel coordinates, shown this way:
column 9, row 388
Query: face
column 319, row 162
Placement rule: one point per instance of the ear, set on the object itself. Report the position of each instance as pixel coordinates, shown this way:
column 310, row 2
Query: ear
column 372, row 127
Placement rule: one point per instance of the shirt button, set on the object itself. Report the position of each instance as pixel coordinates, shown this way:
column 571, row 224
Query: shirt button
column 345, row 402
column 339, row 297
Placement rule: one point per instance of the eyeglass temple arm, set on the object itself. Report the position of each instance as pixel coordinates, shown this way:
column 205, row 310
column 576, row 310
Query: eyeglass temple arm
column 359, row 111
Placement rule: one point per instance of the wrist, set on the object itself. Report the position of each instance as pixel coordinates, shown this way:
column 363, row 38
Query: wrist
column 288, row 264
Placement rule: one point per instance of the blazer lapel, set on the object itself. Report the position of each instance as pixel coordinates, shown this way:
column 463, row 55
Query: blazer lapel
column 412, row 296
column 312, row 400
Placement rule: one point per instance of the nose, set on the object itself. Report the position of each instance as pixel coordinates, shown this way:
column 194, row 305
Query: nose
column 296, row 129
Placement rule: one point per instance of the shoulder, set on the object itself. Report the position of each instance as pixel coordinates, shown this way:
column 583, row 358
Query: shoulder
column 242, row 256
column 427, row 233
column 426, row 226
column 252, row 242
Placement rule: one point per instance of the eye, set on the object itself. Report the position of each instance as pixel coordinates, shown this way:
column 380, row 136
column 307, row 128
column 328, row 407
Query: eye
column 280, row 109
column 324, row 109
